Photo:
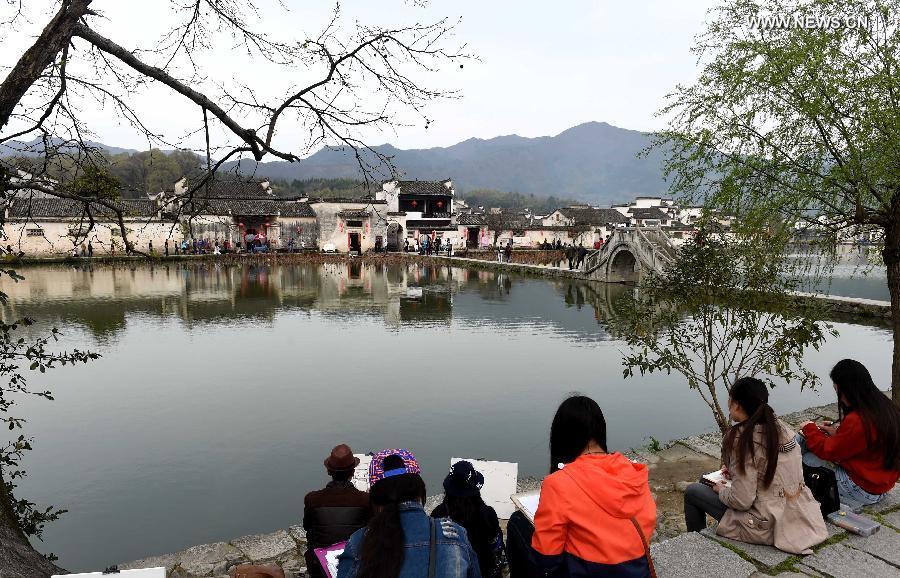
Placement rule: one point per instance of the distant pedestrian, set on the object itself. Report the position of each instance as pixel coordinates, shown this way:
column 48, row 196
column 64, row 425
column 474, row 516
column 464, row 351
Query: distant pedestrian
column 83, row 250
column 150, row 247
column 499, row 253
column 166, row 244
column 90, row 249
column 507, row 253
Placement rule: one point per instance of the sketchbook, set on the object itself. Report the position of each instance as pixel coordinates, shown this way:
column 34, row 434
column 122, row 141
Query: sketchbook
column 527, row 503
column 713, row 478
column 328, row 558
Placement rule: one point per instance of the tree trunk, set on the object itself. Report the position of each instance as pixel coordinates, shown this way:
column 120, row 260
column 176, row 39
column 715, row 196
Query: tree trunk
column 17, row 557
column 891, row 254
column 55, row 36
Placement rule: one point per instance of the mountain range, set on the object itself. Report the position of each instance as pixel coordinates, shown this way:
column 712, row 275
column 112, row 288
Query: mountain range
column 593, row 162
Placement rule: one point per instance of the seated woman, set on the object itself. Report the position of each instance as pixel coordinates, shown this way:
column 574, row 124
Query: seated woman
column 766, row 501
column 401, row 540
column 463, row 504
column 865, row 447
column 595, row 515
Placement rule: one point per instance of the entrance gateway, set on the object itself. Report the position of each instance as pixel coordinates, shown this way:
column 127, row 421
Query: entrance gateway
column 353, row 243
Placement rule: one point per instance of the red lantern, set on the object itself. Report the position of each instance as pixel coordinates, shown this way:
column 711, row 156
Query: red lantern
column 367, row 226
column 241, row 225
column 341, row 227
column 415, row 203
column 440, row 204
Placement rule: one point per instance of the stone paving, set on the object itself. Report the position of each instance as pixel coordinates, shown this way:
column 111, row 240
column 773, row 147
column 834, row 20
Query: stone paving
column 686, row 555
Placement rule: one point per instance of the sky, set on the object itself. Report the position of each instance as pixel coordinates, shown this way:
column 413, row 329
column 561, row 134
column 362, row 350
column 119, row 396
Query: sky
column 541, row 67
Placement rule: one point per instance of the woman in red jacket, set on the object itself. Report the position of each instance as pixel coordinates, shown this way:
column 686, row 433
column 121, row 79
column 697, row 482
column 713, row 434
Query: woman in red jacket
column 595, row 515
column 865, row 447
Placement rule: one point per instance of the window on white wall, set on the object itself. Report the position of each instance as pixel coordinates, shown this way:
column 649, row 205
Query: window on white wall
column 34, row 232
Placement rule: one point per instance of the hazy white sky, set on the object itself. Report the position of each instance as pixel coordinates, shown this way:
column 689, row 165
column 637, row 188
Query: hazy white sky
column 545, row 66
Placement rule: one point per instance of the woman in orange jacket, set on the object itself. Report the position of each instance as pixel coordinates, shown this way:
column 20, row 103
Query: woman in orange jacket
column 595, row 515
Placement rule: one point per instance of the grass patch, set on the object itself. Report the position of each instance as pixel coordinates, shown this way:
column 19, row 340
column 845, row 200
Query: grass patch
column 736, row 550
column 788, row 565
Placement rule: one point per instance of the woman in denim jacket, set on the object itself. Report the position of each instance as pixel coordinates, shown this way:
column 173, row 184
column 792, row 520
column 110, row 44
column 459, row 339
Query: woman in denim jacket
column 401, row 538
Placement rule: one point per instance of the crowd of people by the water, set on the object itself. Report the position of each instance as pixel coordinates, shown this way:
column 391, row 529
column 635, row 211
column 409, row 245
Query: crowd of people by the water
column 596, row 514
column 425, row 245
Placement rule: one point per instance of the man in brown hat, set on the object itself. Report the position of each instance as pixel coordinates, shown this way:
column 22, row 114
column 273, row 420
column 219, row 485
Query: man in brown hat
column 331, row 515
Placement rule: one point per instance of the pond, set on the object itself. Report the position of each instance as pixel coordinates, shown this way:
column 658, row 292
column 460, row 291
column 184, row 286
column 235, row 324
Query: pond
column 221, row 388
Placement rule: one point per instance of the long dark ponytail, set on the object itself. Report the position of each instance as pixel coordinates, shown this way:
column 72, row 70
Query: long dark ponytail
column 753, row 396
column 577, row 421
column 381, row 554
column 854, row 383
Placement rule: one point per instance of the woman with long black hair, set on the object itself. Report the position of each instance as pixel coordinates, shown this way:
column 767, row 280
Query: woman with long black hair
column 401, row 540
column 595, row 515
column 864, row 450
column 766, row 501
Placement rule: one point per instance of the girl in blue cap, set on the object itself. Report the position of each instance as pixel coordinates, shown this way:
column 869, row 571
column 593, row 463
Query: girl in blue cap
column 401, row 541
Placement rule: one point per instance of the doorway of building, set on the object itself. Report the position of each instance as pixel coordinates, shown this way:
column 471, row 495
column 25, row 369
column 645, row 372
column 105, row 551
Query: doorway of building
column 353, row 243
column 472, row 237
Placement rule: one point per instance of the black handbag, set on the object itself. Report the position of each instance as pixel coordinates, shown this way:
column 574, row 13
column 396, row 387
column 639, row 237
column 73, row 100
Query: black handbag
column 822, row 482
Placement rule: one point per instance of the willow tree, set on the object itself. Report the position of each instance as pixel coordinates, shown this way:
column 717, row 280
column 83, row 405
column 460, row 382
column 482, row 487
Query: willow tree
column 720, row 311
column 795, row 115
column 336, row 86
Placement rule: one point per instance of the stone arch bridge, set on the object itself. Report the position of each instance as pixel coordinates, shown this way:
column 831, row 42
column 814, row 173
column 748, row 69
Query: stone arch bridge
column 630, row 252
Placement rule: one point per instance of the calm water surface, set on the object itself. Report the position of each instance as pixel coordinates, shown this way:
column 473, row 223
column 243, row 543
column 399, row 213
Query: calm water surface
column 222, row 388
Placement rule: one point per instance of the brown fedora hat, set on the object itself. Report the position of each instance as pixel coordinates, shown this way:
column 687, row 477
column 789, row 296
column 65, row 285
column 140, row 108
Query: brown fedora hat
column 341, row 459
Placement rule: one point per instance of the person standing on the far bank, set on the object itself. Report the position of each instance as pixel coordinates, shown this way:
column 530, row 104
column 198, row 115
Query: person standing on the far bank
column 90, row 249
column 166, row 244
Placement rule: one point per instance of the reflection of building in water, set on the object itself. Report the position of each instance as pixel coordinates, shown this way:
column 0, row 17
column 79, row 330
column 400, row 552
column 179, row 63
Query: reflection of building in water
column 102, row 298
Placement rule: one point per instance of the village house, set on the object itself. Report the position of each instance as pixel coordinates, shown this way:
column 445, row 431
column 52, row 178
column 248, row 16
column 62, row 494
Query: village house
column 239, row 214
column 351, row 225
column 419, row 208
column 53, row 226
column 594, row 223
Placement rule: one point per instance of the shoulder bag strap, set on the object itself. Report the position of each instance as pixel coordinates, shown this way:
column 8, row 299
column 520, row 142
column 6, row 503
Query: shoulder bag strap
column 432, row 549
column 634, row 522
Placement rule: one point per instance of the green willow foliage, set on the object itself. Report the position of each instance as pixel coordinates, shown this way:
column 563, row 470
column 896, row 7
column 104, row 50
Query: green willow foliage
column 722, row 310
column 797, row 124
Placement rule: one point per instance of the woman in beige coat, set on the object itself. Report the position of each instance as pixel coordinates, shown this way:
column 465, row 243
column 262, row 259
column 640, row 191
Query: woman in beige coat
column 766, row 501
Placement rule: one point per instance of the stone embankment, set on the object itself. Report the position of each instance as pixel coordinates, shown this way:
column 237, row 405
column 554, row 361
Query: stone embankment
column 677, row 554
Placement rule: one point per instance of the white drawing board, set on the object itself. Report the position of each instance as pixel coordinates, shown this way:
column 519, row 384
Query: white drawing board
column 361, row 473
column 499, row 484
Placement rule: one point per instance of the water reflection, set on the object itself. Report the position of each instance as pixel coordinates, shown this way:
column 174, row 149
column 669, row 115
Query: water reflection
column 213, row 373
column 101, row 298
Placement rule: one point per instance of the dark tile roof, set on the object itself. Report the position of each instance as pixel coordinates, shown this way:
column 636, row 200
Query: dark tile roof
column 649, row 213
column 56, row 208
column 231, row 189
column 429, row 224
column 423, row 188
column 236, row 207
column 354, row 214
column 593, row 216
column 471, row 219
column 293, row 209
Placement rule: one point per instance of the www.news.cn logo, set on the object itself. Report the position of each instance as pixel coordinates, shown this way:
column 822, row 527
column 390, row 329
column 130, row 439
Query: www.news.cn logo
column 809, row 22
